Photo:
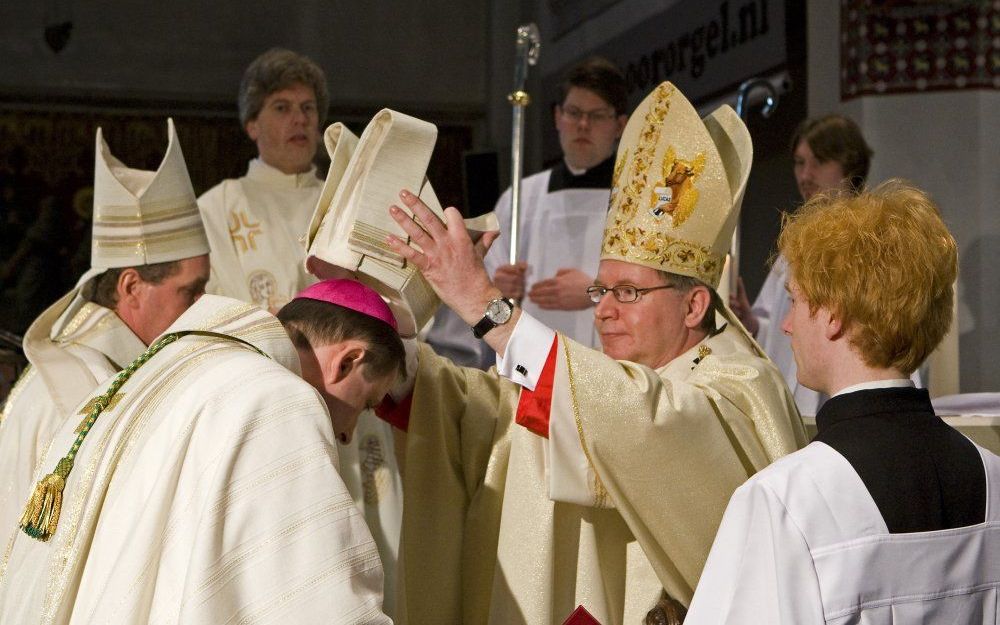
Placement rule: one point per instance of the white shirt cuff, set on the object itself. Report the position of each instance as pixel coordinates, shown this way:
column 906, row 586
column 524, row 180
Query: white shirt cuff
column 527, row 350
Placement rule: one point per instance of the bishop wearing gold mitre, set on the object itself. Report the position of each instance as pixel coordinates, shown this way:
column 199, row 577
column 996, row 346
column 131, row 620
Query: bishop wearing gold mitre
column 576, row 476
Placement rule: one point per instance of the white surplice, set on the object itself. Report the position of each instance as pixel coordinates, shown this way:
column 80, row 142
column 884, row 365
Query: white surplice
column 803, row 542
column 208, row 493
column 561, row 229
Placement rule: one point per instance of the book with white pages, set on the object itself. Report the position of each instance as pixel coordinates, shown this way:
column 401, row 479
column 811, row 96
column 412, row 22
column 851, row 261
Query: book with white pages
column 349, row 227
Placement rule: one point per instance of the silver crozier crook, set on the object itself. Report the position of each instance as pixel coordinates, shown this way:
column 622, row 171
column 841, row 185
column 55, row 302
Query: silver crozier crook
column 770, row 103
column 528, row 47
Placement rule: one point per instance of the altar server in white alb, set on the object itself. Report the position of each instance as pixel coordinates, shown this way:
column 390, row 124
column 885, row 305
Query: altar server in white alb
column 149, row 263
column 829, row 154
column 255, row 223
column 202, row 486
column 889, row 515
column 564, row 208
column 562, row 215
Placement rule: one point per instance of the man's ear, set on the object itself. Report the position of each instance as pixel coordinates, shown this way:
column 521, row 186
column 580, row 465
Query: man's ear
column 833, row 325
column 345, row 359
column 699, row 302
column 252, row 130
column 128, row 287
column 622, row 120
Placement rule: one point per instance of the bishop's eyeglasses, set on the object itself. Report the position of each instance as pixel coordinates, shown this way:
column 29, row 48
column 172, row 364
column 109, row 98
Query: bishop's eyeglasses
column 624, row 293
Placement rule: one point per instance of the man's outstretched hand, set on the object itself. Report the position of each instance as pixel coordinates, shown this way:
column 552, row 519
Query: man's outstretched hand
column 445, row 255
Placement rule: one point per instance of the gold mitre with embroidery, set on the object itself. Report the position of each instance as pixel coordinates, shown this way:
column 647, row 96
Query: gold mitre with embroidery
column 144, row 217
column 677, row 187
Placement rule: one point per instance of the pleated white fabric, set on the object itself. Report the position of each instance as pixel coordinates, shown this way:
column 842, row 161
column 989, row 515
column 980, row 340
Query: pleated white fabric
column 208, row 494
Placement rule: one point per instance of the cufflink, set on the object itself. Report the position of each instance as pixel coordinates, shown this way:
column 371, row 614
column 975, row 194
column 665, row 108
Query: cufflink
column 521, row 369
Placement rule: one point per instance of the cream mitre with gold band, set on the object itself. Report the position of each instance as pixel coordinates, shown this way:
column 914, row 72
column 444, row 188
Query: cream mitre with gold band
column 144, row 217
column 351, row 221
column 140, row 218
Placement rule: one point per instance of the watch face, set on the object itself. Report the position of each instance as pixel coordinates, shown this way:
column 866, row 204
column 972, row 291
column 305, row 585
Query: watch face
column 498, row 311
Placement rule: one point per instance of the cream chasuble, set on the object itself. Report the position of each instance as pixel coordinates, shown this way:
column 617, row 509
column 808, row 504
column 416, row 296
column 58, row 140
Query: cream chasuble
column 103, row 344
column 667, row 448
column 498, row 543
column 208, row 494
column 255, row 225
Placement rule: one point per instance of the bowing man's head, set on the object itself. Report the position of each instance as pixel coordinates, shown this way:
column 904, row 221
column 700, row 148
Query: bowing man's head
column 871, row 283
column 348, row 347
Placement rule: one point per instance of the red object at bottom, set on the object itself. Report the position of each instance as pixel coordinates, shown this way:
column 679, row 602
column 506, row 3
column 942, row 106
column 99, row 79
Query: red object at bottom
column 580, row 616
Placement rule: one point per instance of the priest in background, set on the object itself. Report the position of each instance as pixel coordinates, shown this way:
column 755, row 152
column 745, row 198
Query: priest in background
column 208, row 492
column 889, row 515
column 148, row 264
column 255, row 223
column 581, row 477
column 829, row 153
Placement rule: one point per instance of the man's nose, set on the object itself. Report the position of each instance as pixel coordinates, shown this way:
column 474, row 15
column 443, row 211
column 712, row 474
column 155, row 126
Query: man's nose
column 786, row 324
column 607, row 308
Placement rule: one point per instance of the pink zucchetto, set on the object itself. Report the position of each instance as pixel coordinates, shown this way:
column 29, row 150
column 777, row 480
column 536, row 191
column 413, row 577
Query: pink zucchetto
column 350, row 294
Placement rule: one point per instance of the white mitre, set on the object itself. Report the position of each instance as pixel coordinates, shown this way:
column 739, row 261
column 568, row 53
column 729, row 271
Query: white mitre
column 144, row 217
column 140, row 218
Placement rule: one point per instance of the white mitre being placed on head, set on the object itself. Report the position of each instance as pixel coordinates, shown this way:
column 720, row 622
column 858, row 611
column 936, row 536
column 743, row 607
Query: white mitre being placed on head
column 140, row 218
column 349, row 227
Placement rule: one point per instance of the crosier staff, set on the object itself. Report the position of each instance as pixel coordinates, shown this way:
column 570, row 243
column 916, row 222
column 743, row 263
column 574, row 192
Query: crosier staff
column 528, row 48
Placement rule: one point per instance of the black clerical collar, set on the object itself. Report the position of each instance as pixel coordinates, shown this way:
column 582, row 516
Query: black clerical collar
column 889, row 401
column 597, row 177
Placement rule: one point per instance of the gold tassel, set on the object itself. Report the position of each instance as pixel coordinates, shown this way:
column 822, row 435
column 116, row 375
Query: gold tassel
column 41, row 516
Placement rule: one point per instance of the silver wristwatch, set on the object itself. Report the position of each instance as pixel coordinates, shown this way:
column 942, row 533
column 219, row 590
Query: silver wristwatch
column 498, row 312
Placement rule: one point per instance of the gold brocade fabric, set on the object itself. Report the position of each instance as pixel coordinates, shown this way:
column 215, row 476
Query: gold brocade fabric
column 672, row 445
column 457, row 451
column 483, row 542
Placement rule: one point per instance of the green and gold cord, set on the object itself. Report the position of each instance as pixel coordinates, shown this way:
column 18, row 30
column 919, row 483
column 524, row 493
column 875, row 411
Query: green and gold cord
column 41, row 515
